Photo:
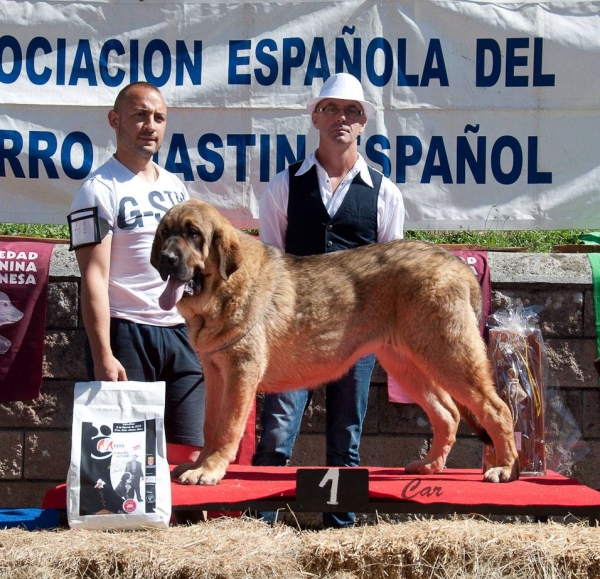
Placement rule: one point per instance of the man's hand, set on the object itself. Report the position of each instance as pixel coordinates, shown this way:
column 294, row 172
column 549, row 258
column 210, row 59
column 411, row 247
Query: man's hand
column 109, row 370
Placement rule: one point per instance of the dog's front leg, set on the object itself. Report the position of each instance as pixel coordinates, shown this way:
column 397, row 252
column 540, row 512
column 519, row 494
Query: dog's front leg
column 229, row 398
column 191, row 472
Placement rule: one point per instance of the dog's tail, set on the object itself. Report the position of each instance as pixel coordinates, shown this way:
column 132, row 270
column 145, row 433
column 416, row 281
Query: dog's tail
column 472, row 421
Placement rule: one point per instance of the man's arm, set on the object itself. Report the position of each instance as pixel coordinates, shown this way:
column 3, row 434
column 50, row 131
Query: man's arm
column 94, row 265
column 273, row 211
column 390, row 208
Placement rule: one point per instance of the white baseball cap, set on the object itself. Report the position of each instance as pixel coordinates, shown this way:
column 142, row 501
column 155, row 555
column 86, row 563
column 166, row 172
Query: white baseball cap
column 342, row 86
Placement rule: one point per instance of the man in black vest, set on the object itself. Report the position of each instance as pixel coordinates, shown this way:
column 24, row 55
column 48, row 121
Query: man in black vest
column 329, row 202
column 134, row 467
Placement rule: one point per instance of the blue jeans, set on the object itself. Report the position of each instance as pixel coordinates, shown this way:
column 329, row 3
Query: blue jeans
column 346, row 406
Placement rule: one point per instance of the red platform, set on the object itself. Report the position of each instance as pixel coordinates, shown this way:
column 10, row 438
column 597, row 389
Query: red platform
column 390, row 490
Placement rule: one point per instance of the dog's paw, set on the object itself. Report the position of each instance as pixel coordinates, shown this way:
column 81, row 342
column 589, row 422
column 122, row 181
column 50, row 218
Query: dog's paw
column 199, row 476
column 181, row 468
column 424, row 467
column 501, row 474
column 191, row 474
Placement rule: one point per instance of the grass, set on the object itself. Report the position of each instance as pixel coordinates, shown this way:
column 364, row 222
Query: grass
column 538, row 241
column 35, row 230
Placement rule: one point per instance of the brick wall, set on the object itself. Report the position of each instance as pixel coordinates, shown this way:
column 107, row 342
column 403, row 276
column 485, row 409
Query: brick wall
column 35, row 436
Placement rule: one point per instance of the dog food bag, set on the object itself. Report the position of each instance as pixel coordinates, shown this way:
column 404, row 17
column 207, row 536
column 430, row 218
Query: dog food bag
column 517, row 353
column 119, row 476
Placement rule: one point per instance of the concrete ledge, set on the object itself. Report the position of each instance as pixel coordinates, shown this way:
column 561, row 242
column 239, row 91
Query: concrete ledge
column 63, row 262
column 540, row 270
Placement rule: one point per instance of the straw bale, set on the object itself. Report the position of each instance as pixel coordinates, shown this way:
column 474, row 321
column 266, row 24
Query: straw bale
column 224, row 548
column 458, row 548
column 230, row 548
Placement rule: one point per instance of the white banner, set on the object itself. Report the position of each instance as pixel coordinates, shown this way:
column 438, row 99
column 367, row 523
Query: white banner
column 487, row 113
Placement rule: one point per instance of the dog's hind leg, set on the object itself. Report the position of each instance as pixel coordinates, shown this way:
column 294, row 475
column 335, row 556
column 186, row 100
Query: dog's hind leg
column 443, row 414
column 494, row 416
column 463, row 369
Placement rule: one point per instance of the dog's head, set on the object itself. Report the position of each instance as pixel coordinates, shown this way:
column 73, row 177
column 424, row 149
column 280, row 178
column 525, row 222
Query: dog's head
column 8, row 313
column 193, row 241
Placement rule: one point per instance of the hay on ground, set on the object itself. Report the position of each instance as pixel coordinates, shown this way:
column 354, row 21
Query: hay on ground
column 242, row 548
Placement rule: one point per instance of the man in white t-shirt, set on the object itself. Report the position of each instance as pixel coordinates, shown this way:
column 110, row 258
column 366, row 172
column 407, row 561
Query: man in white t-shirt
column 113, row 219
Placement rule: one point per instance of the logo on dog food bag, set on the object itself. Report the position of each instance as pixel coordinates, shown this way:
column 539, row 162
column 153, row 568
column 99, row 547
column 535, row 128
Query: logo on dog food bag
column 129, row 506
column 104, row 443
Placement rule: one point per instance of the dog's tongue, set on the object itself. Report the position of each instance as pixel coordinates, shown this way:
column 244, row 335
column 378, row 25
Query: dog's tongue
column 172, row 294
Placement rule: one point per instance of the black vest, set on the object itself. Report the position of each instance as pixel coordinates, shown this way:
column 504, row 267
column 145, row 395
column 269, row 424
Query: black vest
column 310, row 230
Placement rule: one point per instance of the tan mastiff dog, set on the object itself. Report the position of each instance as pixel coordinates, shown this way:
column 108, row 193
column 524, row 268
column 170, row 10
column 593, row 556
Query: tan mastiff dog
column 263, row 320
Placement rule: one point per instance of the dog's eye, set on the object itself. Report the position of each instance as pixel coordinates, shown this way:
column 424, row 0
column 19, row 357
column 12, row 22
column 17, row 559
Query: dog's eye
column 194, row 233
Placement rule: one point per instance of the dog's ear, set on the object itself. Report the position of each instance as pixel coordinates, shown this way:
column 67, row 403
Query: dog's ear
column 156, row 248
column 228, row 250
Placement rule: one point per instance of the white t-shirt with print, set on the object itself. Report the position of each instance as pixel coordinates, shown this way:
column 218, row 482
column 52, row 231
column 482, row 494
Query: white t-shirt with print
column 133, row 208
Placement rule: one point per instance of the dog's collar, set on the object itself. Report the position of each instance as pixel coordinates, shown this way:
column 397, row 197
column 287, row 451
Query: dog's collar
column 242, row 336
column 234, row 341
